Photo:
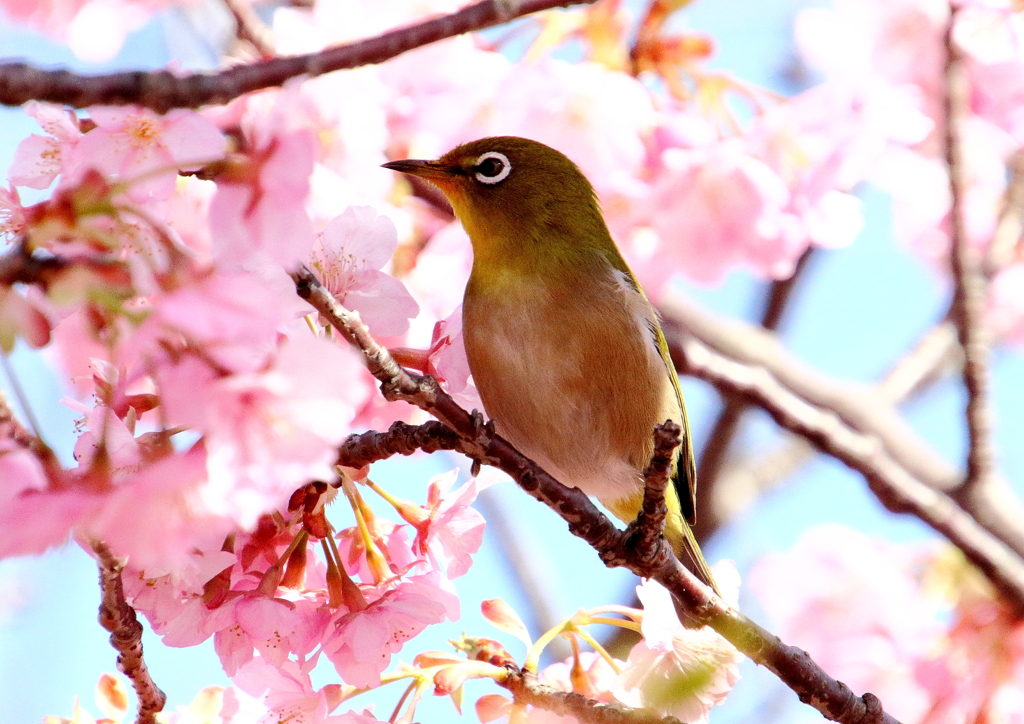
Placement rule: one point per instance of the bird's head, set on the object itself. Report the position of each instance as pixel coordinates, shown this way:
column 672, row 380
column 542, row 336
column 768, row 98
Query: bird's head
column 512, row 194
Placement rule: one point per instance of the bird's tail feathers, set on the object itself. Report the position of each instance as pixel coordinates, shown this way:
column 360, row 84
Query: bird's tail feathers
column 689, row 553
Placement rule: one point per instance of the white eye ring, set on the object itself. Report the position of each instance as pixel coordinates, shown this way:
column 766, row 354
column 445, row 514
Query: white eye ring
column 502, row 175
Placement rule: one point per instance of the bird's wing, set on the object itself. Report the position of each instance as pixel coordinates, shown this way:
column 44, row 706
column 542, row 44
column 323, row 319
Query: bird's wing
column 685, row 478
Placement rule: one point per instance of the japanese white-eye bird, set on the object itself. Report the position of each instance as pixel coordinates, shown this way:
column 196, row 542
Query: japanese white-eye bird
column 564, row 347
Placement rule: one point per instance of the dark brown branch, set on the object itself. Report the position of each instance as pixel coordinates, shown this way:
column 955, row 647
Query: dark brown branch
column 525, row 689
column 400, row 439
column 716, row 450
column 970, row 286
column 117, row 617
column 19, row 266
column 478, row 441
column 895, row 488
column 645, row 532
column 164, row 90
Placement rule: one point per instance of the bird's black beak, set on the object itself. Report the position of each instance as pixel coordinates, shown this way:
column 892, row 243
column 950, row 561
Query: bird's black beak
column 424, row 169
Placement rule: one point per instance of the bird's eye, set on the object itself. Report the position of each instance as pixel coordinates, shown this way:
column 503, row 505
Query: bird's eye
column 492, row 168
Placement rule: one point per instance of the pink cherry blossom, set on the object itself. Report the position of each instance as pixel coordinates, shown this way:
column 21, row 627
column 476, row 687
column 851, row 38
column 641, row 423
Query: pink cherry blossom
column 597, row 117
column 287, row 693
column 716, row 207
column 991, row 35
column 863, row 41
column 448, row 253
column 106, row 433
column 346, row 111
column 827, row 140
column 152, row 517
column 271, row 431
column 258, row 622
column 145, row 149
column 676, row 670
column 437, row 91
column 12, row 214
column 362, row 642
column 39, row 159
column 258, row 213
column 234, row 317
column 453, row 531
column 20, row 471
column 853, row 603
column 21, row 319
column 599, row 676
column 188, row 212
column 348, row 255
column 94, row 29
column 919, row 185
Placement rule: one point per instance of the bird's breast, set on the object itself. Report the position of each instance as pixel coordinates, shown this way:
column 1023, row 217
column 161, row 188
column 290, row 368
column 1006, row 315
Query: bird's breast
column 570, row 372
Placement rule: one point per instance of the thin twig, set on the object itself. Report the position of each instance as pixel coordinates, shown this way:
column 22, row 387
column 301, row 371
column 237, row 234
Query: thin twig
column 117, row 617
column 646, row 530
column 404, row 439
column 526, row 689
column 249, row 28
column 12, row 429
column 479, row 441
column 895, row 488
column 163, row 90
column 970, row 287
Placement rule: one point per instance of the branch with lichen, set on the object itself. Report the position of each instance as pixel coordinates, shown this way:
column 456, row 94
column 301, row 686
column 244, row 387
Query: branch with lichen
column 793, row 666
column 117, row 617
column 163, row 90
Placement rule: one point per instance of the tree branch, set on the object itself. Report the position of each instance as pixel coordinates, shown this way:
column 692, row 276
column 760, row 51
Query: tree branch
column 400, row 439
column 968, row 309
column 164, row 90
column 249, row 28
column 895, row 488
column 646, row 530
column 860, row 407
column 716, row 450
column 526, row 689
column 746, row 479
column 478, row 441
column 936, row 352
column 119, row 618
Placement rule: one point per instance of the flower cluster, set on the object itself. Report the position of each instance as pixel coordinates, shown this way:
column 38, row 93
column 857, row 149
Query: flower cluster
column 914, row 624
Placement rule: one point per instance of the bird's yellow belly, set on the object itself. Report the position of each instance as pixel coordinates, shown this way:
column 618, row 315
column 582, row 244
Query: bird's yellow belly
column 571, row 377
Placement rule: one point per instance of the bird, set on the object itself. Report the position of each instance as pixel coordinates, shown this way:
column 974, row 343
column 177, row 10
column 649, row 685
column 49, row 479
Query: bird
column 564, row 348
